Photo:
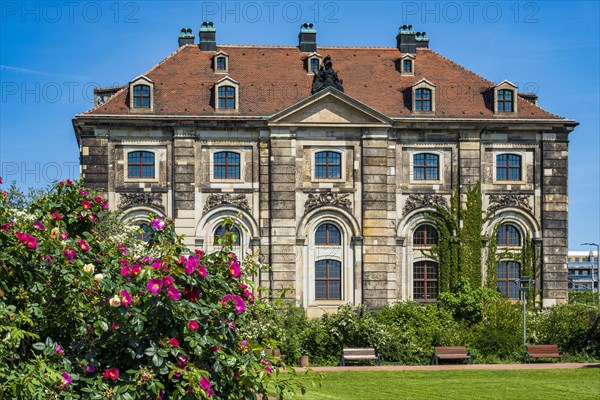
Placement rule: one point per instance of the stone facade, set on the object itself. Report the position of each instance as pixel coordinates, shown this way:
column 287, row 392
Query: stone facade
column 376, row 201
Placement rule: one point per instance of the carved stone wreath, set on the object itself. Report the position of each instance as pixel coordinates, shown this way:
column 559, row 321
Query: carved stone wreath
column 415, row 201
column 498, row 201
column 327, row 198
column 151, row 199
column 215, row 200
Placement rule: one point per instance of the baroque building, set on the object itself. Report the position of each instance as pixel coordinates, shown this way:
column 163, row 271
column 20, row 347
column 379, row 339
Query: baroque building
column 328, row 158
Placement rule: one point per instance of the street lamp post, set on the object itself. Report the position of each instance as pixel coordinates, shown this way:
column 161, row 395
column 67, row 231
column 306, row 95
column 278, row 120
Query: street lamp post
column 524, row 282
column 597, row 261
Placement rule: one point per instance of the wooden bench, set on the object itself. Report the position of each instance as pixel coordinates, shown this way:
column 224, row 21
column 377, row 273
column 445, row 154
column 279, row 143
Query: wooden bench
column 451, row 353
column 360, row 354
column 542, row 351
column 275, row 353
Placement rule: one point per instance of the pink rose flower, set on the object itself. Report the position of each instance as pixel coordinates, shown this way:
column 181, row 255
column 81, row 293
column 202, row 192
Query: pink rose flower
column 193, row 325
column 202, row 271
column 173, row 342
column 86, row 205
column 57, row 216
column 154, row 286
column 90, row 368
column 83, row 245
column 66, row 378
column 59, row 350
column 204, row 383
column 39, row 225
column 111, row 373
column 125, row 298
column 234, row 268
column 168, row 280
column 173, row 293
column 158, row 224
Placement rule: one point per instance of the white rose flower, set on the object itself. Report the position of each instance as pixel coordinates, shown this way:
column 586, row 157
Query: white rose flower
column 98, row 277
column 115, row 301
column 88, row 268
column 54, row 233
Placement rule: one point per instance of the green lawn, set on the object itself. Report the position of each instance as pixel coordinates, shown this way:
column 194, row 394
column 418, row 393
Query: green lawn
column 460, row 385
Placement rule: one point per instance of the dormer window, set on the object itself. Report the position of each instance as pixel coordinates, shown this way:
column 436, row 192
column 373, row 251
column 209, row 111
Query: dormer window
column 227, row 98
column 221, row 62
column 141, row 94
column 422, row 100
column 227, row 95
column 407, row 65
column 423, row 97
column 313, row 63
column 505, row 98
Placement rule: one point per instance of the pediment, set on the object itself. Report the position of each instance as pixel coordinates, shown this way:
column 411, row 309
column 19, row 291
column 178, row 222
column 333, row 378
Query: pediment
column 329, row 107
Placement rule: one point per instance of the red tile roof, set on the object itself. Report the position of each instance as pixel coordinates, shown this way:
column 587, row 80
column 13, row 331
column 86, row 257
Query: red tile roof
column 273, row 78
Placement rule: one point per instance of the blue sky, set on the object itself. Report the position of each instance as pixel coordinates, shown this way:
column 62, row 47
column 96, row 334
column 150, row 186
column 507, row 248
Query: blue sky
column 52, row 54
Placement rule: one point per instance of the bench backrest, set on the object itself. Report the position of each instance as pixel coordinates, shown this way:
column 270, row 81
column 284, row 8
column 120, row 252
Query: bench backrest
column 542, row 348
column 366, row 351
column 451, row 350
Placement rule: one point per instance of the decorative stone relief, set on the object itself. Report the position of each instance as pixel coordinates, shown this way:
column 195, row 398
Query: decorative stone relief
column 151, row 199
column 215, row 200
column 327, row 198
column 498, row 201
column 421, row 200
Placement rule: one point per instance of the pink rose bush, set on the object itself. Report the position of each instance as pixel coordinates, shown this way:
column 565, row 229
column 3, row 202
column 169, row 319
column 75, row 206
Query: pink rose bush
column 99, row 315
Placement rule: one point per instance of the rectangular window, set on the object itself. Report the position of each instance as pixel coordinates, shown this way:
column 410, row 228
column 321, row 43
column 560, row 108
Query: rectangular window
column 328, row 280
column 226, row 165
column 425, row 167
column 227, row 97
column 407, row 66
column 508, row 167
column 140, row 164
column 314, row 64
column 328, row 165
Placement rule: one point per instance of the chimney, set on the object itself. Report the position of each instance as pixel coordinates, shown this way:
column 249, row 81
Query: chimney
column 405, row 40
column 421, row 40
column 308, row 38
column 208, row 37
column 186, row 37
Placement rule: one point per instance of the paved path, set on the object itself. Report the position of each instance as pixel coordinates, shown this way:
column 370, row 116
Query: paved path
column 454, row 367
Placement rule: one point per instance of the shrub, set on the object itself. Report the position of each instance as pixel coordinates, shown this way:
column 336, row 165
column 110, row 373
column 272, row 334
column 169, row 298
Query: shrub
column 415, row 330
column 467, row 304
column 351, row 326
column 575, row 328
column 499, row 335
column 83, row 315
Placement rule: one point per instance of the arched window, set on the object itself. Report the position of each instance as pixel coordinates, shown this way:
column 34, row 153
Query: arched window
column 425, row 235
column 226, row 165
column 141, row 96
column 328, row 235
column 507, row 276
column 508, row 235
column 144, row 233
column 140, row 164
column 426, row 167
column 328, row 280
column 505, row 100
column 425, row 281
column 423, row 100
column 221, row 64
column 508, row 167
column 328, row 165
column 226, row 97
column 223, row 229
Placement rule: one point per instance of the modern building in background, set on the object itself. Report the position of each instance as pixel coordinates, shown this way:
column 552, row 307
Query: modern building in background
column 329, row 157
column 583, row 271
